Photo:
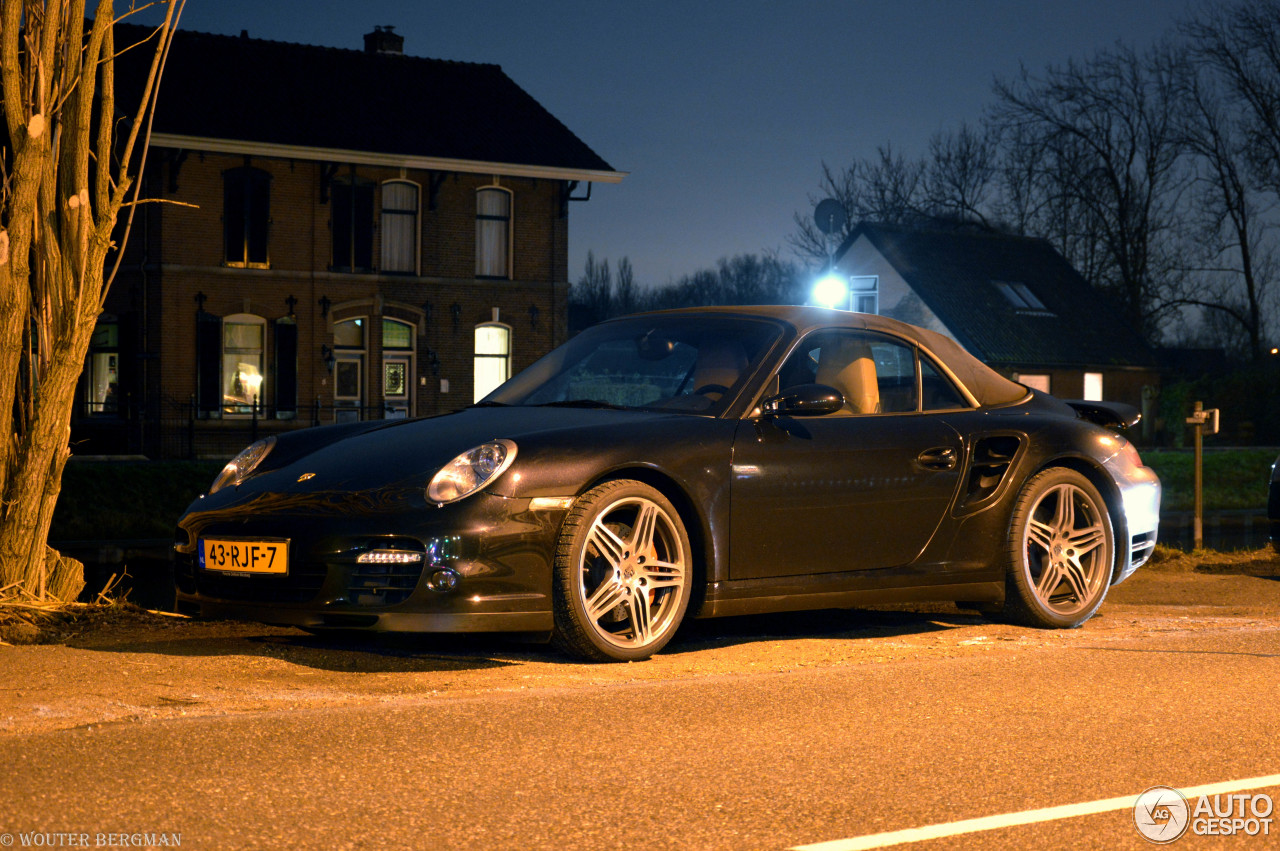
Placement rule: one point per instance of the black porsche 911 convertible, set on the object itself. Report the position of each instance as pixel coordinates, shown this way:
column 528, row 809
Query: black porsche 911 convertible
column 689, row 463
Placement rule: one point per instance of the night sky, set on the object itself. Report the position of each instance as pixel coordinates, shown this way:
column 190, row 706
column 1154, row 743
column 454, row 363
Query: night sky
column 722, row 112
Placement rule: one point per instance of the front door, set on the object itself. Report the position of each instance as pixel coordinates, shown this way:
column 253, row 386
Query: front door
column 348, row 387
column 397, row 387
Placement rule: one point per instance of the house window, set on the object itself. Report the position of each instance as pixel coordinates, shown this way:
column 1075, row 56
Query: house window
column 351, row 206
column 102, row 398
column 1093, row 386
column 348, row 370
column 864, row 293
column 1035, row 381
column 243, row 336
column 1022, row 298
column 493, row 358
column 246, row 216
column 493, row 233
column 400, row 227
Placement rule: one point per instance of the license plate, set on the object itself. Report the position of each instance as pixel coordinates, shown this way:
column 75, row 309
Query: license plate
column 232, row 555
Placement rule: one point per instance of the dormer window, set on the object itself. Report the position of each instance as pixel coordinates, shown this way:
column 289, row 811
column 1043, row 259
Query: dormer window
column 1022, row 298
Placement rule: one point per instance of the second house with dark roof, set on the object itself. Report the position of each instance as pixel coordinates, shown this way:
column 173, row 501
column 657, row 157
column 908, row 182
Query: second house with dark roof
column 342, row 235
column 1013, row 302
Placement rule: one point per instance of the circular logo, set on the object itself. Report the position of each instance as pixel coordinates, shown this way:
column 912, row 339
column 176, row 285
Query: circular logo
column 1161, row 814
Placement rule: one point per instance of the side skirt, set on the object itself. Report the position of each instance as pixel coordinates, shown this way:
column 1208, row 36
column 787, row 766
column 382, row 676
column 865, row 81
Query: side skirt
column 722, row 601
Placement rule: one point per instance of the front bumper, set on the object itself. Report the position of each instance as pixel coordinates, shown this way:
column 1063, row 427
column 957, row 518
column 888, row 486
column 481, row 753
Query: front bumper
column 498, row 550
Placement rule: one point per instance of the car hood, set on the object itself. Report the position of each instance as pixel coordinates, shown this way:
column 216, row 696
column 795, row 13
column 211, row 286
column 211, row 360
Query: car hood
column 411, row 451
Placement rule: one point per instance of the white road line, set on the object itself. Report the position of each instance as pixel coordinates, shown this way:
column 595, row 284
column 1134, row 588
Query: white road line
column 974, row 825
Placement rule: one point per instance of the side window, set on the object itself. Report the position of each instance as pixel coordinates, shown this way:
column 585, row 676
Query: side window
column 103, row 373
column 351, row 208
column 400, row 227
column 936, row 392
column 864, row 293
column 492, row 358
column 874, row 374
column 493, row 233
column 246, row 216
column 895, row 377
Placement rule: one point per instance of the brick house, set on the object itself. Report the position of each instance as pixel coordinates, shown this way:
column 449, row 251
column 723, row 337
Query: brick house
column 1014, row 302
column 344, row 235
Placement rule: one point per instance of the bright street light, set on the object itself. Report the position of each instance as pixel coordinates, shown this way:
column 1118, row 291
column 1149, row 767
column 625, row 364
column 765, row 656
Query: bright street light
column 831, row 291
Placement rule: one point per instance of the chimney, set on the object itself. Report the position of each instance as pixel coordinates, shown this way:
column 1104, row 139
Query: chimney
column 383, row 40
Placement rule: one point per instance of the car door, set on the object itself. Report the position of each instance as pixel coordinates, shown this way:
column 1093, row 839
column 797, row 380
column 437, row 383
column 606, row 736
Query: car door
column 859, row 489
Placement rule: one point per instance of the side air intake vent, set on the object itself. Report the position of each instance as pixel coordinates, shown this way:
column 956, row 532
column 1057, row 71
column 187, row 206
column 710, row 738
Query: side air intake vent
column 992, row 458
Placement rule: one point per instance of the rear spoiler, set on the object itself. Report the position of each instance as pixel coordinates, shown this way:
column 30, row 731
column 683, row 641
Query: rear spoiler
column 1115, row 415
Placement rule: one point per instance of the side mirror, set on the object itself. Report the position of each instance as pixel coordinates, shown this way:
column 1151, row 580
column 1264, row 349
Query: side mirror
column 803, row 400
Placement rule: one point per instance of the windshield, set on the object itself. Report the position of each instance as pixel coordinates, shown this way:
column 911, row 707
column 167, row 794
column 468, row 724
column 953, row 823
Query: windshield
column 672, row 362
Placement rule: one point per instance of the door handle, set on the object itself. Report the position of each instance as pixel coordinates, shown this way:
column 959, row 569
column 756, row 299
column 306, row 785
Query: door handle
column 940, row 458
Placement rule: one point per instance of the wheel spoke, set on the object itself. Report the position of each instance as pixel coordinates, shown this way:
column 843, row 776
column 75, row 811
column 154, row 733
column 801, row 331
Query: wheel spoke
column 641, row 618
column 607, row 543
column 1086, row 540
column 1049, row 578
column 1064, row 516
column 643, row 531
column 604, row 599
column 661, row 574
column 1040, row 534
column 1075, row 576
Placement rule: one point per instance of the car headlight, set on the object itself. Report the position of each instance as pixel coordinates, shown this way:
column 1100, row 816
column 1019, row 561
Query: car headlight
column 471, row 471
column 239, row 467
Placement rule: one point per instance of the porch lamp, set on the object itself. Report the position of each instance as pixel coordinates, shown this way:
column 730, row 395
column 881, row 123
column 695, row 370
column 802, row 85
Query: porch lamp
column 326, row 355
column 831, row 291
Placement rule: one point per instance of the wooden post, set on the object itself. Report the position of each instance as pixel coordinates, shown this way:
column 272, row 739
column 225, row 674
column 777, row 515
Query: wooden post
column 1198, row 527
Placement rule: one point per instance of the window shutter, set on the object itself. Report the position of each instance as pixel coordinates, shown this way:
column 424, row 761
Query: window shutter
column 208, row 365
column 259, row 216
column 286, row 368
column 362, row 238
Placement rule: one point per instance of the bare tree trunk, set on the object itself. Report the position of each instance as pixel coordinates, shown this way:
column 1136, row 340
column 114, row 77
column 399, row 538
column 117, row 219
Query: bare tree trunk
column 62, row 195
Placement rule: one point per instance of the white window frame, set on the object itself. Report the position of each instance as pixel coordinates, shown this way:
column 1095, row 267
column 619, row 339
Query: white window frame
column 102, row 372
column 864, row 292
column 415, row 214
column 230, row 409
column 482, row 268
column 481, row 389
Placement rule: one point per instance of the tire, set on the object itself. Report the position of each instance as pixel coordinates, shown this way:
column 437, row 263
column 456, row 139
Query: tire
column 623, row 574
column 1061, row 551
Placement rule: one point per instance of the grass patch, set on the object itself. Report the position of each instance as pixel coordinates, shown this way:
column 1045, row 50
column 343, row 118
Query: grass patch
column 1233, row 478
column 121, row 500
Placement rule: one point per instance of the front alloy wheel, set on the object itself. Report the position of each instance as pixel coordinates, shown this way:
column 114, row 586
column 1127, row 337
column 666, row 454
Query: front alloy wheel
column 1061, row 550
column 622, row 573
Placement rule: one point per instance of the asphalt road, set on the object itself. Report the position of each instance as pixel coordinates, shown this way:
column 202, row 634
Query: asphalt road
column 753, row 734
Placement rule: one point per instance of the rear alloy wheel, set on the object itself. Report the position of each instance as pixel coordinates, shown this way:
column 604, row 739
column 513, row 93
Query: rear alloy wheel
column 622, row 573
column 1061, row 551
